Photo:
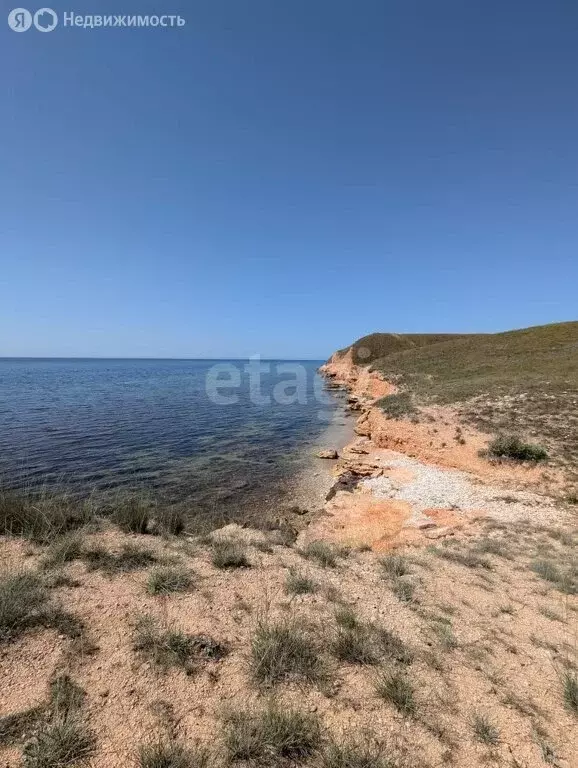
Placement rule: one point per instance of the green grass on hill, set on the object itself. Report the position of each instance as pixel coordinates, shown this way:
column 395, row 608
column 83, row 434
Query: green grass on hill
column 370, row 348
column 521, row 382
column 544, row 357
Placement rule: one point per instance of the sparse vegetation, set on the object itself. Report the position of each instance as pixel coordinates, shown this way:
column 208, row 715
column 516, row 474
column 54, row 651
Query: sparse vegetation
column 484, row 730
column 570, row 683
column 360, row 753
column 285, row 650
column 41, row 517
column 564, row 579
column 59, row 744
column 131, row 557
column 324, row 554
column 404, row 590
column 23, row 601
column 298, row 583
column 356, row 645
column 396, row 406
column 467, row 558
column 395, row 565
column 228, row 553
column 162, row 581
column 64, row 550
column 511, row 447
column 270, row 736
column 395, row 686
column 131, row 513
column 166, row 753
column 173, row 648
column 346, row 617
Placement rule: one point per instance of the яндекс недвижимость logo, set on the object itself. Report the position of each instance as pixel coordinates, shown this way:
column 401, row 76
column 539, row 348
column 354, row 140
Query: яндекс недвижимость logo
column 45, row 20
column 21, row 19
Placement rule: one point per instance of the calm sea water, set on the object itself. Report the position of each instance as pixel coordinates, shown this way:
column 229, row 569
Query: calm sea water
column 105, row 424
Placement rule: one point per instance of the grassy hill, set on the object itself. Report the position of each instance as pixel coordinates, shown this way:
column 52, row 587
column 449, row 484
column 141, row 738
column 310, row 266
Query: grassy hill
column 523, row 381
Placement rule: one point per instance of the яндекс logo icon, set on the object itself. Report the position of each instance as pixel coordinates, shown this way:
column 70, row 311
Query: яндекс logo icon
column 20, row 20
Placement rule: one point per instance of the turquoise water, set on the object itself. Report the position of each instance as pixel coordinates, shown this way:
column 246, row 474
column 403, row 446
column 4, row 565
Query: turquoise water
column 155, row 424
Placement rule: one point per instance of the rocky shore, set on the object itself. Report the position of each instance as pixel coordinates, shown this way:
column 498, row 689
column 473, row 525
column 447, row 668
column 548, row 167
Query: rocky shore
column 419, row 478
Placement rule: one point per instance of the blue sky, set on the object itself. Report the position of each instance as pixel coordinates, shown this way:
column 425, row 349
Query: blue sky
column 279, row 178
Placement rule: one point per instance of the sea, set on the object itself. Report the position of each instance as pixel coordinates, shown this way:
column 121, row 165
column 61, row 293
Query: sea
column 226, row 436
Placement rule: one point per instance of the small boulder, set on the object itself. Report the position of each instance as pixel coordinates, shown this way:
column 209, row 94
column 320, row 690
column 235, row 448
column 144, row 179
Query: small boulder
column 327, row 453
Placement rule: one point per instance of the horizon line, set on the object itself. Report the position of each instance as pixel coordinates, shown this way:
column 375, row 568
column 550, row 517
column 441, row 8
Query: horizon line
column 178, row 359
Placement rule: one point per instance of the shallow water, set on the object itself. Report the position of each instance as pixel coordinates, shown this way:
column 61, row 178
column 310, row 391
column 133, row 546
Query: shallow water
column 155, row 424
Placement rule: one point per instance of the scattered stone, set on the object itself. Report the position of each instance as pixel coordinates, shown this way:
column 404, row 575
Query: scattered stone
column 327, row 453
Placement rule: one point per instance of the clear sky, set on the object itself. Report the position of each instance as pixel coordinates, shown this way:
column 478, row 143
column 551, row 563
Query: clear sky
column 279, row 178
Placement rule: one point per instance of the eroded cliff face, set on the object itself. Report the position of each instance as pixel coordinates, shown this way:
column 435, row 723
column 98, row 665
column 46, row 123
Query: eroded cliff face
column 363, row 384
column 419, row 478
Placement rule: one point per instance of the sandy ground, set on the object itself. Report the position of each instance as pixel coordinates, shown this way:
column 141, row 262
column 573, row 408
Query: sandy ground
column 512, row 636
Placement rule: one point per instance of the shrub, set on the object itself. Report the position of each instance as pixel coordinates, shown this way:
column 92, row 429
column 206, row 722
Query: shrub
column 324, row 554
column 511, row 447
column 228, row 553
column 171, row 754
column 285, row 650
column 299, row 584
column 396, row 406
column 395, row 687
column 484, row 730
column 164, row 580
column 270, row 736
column 59, row 744
column 172, row 648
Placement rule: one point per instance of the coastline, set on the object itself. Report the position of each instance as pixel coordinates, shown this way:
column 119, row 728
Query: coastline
column 401, row 481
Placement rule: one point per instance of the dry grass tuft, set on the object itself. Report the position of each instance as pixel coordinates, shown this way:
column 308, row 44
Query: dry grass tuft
column 356, row 753
column 271, row 736
column 132, row 557
column 484, row 730
column 285, row 650
column 162, row 581
column 322, row 553
column 171, row 754
column 228, row 553
column 172, row 648
column 570, row 683
column 59, row 744
column 395, row 686
column 41, row 517
column 298, row 583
